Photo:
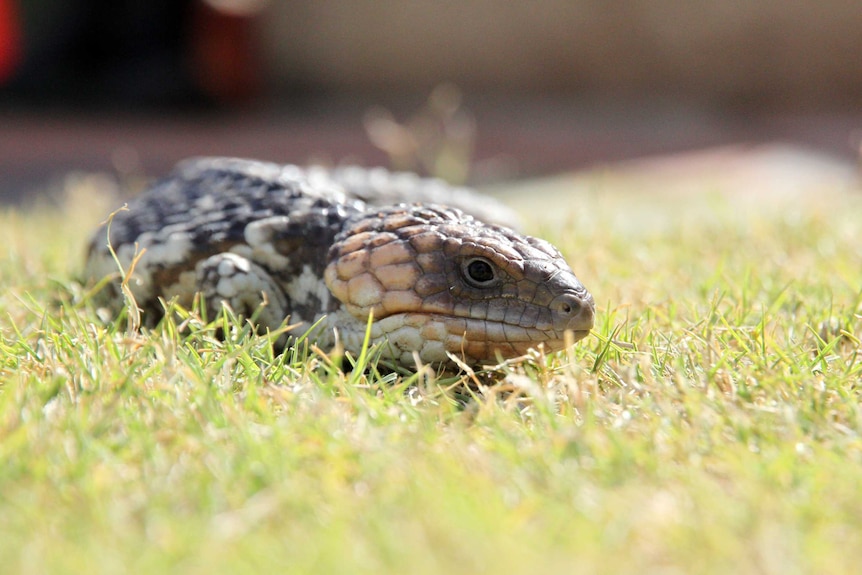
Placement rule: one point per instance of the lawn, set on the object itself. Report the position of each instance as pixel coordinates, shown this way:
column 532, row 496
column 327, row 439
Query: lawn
column 711, row 424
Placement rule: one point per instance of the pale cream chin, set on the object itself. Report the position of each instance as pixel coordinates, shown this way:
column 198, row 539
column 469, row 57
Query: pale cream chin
column 431, row 338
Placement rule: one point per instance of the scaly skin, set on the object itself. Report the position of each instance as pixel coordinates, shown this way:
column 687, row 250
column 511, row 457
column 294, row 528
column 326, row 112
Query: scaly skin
column 435, row 279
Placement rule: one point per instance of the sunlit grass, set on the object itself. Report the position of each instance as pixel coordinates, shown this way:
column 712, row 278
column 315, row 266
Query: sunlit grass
column 711, row 424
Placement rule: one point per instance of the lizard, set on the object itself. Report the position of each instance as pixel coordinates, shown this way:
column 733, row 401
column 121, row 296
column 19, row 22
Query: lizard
column 329, row 247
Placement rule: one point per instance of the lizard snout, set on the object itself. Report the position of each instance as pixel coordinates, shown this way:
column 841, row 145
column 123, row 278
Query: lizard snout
column 575, row 312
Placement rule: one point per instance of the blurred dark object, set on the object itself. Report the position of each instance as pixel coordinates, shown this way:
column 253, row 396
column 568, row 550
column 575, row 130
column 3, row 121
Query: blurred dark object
column 116, row 54
column 223, row 48
column 10, row 39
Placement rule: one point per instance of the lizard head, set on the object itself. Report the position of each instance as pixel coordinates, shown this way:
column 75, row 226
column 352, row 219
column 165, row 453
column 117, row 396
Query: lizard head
column 437, row 280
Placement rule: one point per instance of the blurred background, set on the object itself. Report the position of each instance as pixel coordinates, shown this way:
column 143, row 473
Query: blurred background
column 475, row 90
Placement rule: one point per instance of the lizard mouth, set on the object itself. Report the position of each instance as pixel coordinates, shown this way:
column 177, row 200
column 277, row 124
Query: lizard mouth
column 579, row 334
column 434, row 335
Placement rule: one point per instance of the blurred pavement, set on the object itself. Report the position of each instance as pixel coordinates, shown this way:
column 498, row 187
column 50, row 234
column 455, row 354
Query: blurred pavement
column 514, row 139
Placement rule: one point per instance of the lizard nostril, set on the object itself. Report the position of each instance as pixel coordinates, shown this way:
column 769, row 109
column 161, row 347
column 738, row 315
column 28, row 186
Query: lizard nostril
column 573, row 312
column 568, row 305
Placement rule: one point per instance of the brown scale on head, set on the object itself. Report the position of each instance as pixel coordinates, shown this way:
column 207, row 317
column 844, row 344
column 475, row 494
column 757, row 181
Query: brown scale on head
column 438, row 280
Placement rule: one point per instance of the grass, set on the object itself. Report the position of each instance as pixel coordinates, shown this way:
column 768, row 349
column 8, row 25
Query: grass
column 710, row 425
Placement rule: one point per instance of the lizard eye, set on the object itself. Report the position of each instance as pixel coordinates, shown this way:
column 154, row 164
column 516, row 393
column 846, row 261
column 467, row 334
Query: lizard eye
column 479, row 272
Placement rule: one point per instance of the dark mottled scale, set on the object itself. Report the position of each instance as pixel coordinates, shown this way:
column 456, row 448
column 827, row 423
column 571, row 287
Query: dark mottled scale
column 215, row 206
column 212, row 207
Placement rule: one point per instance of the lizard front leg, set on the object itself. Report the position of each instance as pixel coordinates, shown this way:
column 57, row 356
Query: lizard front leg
column 244, row 286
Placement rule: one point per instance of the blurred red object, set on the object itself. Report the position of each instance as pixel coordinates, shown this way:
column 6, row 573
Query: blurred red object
column 224, row 51
column 10, row 39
